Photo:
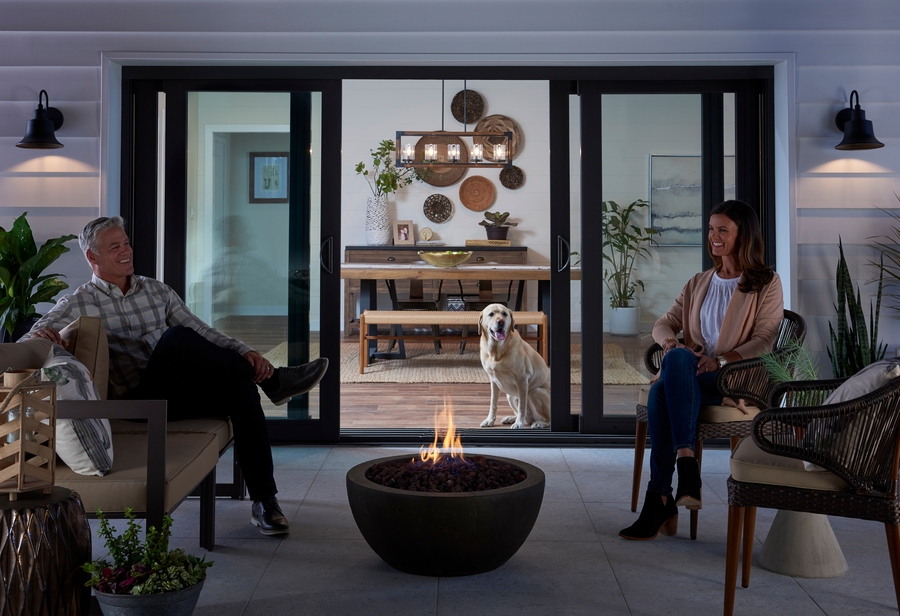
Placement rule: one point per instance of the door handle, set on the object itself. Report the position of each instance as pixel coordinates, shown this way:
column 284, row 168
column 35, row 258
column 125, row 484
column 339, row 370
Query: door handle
column 562, row 248
column 326, row 258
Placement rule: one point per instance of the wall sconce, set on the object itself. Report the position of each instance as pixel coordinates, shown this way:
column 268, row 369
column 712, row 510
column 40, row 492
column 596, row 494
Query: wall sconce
column 857, row 129
column 39, row 130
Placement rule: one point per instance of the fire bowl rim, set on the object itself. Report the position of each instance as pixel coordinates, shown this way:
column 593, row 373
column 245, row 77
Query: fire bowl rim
column 533, row 476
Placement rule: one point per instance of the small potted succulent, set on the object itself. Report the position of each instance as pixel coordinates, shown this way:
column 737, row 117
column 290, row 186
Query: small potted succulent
column 145, row 577
column 497, row 225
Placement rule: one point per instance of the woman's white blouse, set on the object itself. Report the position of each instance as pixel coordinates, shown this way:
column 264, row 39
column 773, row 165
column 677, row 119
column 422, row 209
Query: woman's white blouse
column 712, row 312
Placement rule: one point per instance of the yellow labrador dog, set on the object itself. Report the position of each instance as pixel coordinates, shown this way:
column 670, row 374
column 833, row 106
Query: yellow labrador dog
column 515, row 369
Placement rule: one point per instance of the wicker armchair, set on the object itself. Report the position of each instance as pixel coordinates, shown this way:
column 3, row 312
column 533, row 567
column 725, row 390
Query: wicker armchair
column 856, row 441
column 747, row 379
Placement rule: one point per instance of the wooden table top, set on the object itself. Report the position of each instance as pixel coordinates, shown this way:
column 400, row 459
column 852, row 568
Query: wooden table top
column 423, row 271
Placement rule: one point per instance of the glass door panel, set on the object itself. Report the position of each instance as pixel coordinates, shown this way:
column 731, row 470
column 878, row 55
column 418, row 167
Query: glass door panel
column 253, row 219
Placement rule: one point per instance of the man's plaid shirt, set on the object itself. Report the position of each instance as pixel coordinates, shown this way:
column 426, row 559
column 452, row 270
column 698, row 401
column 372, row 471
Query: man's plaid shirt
column 134, row 323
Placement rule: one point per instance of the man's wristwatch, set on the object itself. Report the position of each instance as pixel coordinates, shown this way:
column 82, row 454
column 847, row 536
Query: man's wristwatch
column 721, row 361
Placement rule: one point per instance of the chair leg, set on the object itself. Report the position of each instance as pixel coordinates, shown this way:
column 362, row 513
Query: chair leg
column 462, row 345
column 640, row 443
column 732, row 552
column 695, row 513
column 747, row 560
column 893, row 541
column 436, row 332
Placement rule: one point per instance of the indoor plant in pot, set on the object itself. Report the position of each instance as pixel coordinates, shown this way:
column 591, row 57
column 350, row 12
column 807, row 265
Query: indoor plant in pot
column 624, row 240
column 497, row 225
column 22, row 284
column 385, row 178
column 145, row 578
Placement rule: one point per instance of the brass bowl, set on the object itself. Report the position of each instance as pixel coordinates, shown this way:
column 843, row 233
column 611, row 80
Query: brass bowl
column 445, row 259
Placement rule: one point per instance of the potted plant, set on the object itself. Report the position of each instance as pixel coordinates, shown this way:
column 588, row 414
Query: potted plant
column 22, row 284
column 145, row 578
column 385, row 178
column 497, row 225
column 624, row 240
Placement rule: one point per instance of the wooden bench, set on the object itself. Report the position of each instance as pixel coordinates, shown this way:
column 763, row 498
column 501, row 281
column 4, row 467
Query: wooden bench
column 443, row 319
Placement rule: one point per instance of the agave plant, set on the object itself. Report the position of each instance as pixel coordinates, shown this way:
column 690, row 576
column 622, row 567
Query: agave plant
column 22, row 263
column 497, row 219
column 852, row 348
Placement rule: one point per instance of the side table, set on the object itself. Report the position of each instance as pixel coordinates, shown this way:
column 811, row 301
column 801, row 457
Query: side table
column 803, row 545
column 44, row 540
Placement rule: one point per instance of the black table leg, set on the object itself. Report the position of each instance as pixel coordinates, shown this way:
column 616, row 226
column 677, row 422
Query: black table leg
column 368, row 300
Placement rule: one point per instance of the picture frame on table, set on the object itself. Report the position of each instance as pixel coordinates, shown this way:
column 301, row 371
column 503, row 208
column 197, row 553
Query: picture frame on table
column 676, row 198
column 404, row 232
column 269, row 177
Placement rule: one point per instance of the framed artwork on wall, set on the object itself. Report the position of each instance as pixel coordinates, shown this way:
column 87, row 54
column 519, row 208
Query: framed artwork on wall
column 676, row 198
column 403, row 232
column 268, row 177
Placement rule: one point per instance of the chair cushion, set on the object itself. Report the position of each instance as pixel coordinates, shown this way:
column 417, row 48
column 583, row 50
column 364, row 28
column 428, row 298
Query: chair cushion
column 87, row 342
column 189, row 458
column 725, row 414
column 85, row 445
column 219, row 427
column 751, row 464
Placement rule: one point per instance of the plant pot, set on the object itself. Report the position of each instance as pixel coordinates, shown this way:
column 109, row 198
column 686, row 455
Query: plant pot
column 497, row 233
column 378, row 222
column 176, row 603
column 22, row 327
column 625, row 321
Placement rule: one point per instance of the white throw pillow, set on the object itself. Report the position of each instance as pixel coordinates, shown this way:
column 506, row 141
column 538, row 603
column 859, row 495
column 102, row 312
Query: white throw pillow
column 85, row 445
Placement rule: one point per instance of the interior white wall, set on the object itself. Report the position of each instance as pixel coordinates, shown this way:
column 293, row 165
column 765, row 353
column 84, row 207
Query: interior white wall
column 821, row 51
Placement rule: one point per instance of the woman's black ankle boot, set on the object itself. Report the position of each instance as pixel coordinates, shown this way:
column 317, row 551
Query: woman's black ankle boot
column 655, row 518
column 689, row 483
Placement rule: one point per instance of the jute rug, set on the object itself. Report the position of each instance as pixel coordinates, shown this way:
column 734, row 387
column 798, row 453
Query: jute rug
column 423, row 365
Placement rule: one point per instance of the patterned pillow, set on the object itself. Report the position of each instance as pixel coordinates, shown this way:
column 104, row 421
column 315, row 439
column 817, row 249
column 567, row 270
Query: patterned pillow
column 85, row 445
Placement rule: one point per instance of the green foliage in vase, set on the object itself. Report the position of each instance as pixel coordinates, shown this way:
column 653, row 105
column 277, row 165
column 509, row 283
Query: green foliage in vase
column 135, row 568
column 792, row 362
column 623, row 242
column 22, row 281
column 385, row 177
column 852, row 348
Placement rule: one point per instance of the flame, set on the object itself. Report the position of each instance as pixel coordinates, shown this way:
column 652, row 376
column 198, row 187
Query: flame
column 451, row 444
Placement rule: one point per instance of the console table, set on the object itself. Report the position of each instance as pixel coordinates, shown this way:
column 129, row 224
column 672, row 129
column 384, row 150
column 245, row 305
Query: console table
column 481, row 255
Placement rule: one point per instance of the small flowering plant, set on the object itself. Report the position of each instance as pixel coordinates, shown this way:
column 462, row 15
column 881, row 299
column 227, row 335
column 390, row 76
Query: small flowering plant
column 142, row 568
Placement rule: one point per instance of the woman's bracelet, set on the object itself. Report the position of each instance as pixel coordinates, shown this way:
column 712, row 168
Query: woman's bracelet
column 673, row 338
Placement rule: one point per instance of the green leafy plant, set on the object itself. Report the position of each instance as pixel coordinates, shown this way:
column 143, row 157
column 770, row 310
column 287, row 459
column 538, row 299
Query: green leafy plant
column 22, row 263
column 791, row 363
column 385, row 177
column 497, row 219
column 143, row 568
column 852, row 348
column 889, row 265
column 623, row 242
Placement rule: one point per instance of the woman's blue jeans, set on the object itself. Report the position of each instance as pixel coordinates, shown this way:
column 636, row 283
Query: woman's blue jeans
column 672, row 406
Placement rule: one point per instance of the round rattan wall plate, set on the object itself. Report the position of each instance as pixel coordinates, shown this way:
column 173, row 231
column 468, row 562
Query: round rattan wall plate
column 477, row 193
column 437, row 208
column 436, row 174
column 498, row 124
column 512, row 177
column 472, row 101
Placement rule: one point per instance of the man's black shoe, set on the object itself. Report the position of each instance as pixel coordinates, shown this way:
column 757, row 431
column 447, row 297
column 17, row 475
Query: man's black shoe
column 268, row 516
column 294, row 380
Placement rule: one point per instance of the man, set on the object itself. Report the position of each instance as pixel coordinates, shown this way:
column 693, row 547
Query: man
column 158, row 350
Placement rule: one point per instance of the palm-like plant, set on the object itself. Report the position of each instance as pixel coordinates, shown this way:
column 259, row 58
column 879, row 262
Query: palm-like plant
column 623, row 242
column 22, row 263
column 889, row 246
column 852, row 348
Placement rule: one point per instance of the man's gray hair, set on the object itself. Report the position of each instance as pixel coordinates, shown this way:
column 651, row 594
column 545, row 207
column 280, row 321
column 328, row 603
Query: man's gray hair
column 87, row 239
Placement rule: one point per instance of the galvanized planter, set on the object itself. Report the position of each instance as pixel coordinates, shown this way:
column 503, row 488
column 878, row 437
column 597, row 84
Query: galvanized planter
column 176, row 603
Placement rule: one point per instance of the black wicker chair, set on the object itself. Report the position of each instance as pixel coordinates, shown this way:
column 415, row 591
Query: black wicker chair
column 747, row 379
column 857, row 442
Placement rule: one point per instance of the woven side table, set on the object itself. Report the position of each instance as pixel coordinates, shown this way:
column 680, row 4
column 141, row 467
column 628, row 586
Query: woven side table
column 44, row 540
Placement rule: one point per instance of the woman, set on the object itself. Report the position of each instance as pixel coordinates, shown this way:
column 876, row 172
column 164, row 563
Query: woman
column 727, row 313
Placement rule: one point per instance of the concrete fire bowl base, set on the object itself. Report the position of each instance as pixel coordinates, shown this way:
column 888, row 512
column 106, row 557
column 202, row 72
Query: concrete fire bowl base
column 445, row 534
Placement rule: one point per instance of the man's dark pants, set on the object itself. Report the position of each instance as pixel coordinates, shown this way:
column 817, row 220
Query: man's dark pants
column 200, row 379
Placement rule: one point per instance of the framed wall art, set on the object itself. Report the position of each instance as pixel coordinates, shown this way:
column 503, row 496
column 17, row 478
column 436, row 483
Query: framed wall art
column 268, row 177
column 676, row 198
column 403, row 232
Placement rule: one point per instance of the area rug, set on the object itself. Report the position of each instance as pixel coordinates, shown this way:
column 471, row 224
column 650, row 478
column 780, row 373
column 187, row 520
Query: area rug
column 423, row 365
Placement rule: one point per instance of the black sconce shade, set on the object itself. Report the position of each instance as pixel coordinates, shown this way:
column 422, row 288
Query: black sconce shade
column 858, row 134
column 39, row 130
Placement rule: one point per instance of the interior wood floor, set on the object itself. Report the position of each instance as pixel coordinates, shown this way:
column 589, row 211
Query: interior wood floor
column 402, row 405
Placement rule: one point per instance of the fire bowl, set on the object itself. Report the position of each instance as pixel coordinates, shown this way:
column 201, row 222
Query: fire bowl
column 445, row 534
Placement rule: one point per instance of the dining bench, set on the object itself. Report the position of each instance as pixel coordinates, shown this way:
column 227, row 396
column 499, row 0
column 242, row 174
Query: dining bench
column 441, row 319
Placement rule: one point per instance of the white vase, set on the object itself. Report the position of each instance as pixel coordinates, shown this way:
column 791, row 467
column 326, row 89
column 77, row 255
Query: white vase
column 625, row 321
column 378, row 222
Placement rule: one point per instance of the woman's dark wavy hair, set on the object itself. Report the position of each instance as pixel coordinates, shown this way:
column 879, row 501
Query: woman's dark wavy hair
column 750, row 253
